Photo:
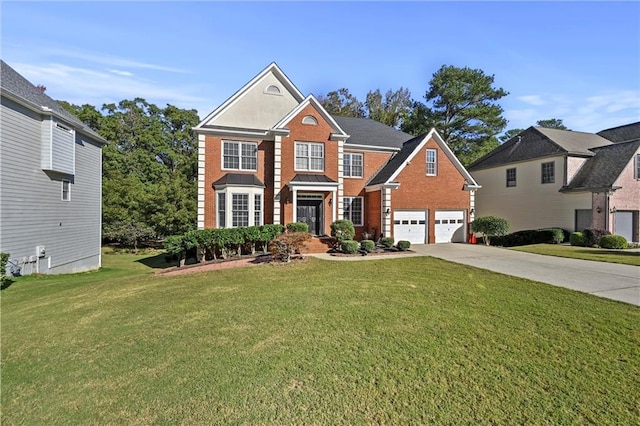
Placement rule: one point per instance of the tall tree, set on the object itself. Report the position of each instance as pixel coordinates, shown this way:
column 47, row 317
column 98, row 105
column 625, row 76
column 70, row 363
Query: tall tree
column 509, row 134
column 390, row 109
column 149, row 168
column 461, row 105
column 552, row 123
column 341, row 102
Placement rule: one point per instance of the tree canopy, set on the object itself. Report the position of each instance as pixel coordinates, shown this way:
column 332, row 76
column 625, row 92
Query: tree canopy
column 552, row 123
column 390, row 109
column 341, row 102
column 150, row 170
column 461, row 105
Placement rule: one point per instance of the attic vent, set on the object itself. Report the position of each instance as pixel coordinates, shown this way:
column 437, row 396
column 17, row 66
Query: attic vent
column 310, row 119
column 62, row 127
column 272, row 90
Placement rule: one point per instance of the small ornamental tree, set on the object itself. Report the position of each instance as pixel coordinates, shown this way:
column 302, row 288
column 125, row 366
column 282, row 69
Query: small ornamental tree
column 342, row 230
column 490, row 226
column 173, row 244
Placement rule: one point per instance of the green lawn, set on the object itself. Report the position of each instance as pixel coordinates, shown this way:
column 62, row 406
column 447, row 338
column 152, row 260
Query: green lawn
column 405, row 341
column 626, row 257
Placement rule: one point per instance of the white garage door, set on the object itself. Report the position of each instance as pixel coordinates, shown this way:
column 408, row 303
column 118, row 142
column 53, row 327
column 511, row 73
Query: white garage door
column 623, row 224
column 410, row 226
column 449, row 226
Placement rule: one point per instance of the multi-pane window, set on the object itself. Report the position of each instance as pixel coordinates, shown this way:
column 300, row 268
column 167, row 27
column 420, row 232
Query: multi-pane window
column 239, row 210
column 309, row 156
column 432, row 162
column 353, row 209
column 66, row 190
column 239, row 155
column 511, row 177
column 548, row 172
column 222, row 210
column 353, row 165
column 257, row 209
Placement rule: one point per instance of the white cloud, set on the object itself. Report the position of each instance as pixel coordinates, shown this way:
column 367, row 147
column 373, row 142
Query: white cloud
column 123, row 73
column 604, row 109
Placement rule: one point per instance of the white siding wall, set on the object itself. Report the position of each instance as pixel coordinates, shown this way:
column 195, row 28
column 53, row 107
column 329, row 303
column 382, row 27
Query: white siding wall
column 32, row 212
column 530, row 204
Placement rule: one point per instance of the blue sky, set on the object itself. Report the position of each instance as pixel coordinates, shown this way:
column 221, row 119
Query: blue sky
column 578, row 61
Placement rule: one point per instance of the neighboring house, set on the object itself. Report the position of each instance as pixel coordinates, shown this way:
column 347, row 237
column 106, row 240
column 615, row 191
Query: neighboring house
column 557, row 178
column 271, row 155
column 50, row 182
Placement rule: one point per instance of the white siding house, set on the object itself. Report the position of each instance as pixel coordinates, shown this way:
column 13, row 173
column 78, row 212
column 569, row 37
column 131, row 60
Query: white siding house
column 50, row 183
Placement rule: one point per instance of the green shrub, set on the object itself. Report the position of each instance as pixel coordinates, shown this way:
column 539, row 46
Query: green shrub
column 367, row 245
column 578, row 239
column 403, row 245
column 342, row 230
column 613, row 242
column 386, row 242
column 593, row 235
column 490, row 226
column 530, row 236
column 4, row 258
column 349, row 246
column 297, row 227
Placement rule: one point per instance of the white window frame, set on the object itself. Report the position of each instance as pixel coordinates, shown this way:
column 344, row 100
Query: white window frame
column 308, row 157
column 347, row 161
column 257, row 210
column 637, row 168
column 67, row 183
column 240, row 144
column 251, row 193
column 513, row 182
column 432, row 162
column 553, row 174
column 346, row 202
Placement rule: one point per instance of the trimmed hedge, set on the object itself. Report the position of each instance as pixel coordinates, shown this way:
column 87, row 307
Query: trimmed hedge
column 403, row 245
column 4, row 258
column 578, row 239
column 613, row 242
column 343, row 230
column 530, row 236
column 297, row 227
column 224, row 241
column 386, row 242
column 593, row 235
column 367, row 245
column 349, row 246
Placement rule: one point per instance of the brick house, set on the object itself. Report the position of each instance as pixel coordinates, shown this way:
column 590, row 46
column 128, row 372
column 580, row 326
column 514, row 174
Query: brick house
column 268, row 154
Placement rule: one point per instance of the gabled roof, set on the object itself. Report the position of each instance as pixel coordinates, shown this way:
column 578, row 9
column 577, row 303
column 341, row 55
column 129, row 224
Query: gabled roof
column 604, row 168
column 311, row 100
column 300, row 178
column 271, row 71
column 538, row 142
column 398, row 162
column 624, row 133
column 15, row 86
column 367, row 132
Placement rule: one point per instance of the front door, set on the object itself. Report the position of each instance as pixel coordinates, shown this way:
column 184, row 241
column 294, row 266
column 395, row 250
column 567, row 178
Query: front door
column 310, row 212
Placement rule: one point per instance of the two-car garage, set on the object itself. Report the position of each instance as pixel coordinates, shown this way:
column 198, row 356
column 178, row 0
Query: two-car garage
column 413, row 226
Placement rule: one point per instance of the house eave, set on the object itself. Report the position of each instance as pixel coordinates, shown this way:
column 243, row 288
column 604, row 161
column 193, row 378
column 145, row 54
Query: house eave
column 240, row 133
column 590, row 189
column 353, row 146
column 380, row 186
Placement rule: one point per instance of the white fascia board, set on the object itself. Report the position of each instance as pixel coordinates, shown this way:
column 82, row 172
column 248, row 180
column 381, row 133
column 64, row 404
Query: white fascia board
column 240, row 133
column 313, row 186
column 311, row 100
column 272, row 68
column 411, row 156
column 452, row 157
column 356, row 148
column 381, row 186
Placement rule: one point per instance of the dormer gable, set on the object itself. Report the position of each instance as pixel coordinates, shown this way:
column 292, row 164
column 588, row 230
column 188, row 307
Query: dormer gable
column 259, row 104
column 337, row 132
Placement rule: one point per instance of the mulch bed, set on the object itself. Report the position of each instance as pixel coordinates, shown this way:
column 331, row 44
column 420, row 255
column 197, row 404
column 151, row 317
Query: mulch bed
column 213, row 265
column 375, row 253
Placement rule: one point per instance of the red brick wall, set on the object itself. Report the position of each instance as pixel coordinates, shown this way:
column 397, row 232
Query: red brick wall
column 419, row 191
column 373, row 215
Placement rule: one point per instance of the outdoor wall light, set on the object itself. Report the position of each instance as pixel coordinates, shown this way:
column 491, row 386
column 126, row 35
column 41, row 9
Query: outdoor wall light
column 387, row 212
column 330, row 201
column 613, row 210
column 598, row 210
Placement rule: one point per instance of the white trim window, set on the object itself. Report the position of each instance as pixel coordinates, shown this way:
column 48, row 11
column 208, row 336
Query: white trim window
column 66, row 190
column 309, row 157
column 547, row 172
column 353, row 165
column 432, row 162
column 511, row 177
column 637, row 166
column 222, row 209
column 239, row 206
column 238, row 155
column 353, row 209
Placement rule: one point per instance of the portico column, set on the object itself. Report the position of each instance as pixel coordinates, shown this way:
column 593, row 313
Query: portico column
column 277, row 177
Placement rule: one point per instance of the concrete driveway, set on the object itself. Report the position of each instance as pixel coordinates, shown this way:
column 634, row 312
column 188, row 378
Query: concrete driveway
column 610, row 280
